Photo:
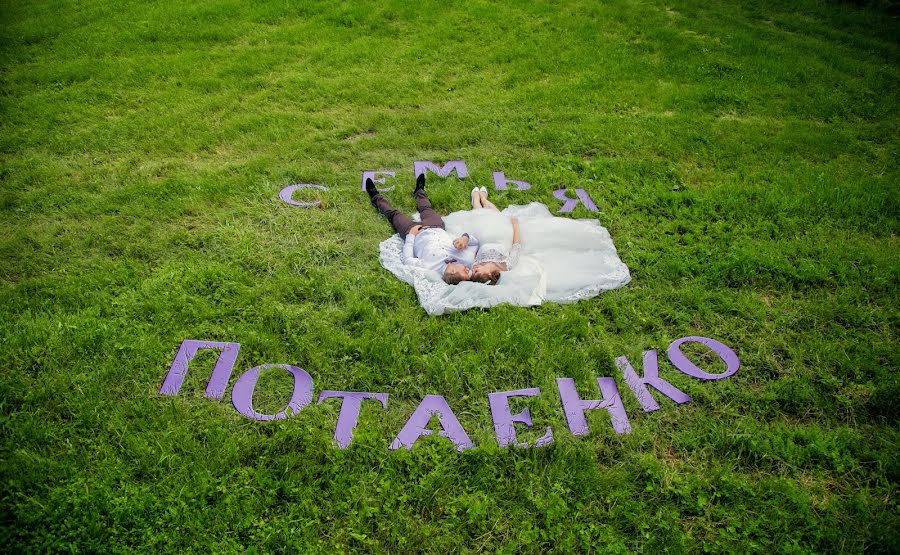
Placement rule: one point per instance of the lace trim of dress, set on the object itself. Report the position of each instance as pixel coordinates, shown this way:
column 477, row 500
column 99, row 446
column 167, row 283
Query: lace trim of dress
column 428, row 285
column 491, row 253
column 618, row 277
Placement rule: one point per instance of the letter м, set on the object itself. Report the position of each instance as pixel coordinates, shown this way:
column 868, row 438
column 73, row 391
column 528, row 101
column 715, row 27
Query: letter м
column 458, row 166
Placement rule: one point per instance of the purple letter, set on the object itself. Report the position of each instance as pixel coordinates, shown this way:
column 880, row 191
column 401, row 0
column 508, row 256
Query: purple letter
column 218, row 381
column 444, row 171
column 286, row 193
column 346, row 422
column 372, row 175
column 571, row 203
column 500, row 182
column 651, row 378
column 682, row 363
column 504, row 420
column 574, row 407
column 242, row 393
column 417, row 425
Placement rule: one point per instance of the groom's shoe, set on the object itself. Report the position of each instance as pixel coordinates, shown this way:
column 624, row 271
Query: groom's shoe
column 370, row 188
column 420, row 184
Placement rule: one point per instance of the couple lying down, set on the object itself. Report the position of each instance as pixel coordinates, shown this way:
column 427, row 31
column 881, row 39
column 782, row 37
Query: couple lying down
column 483, row 257
column 428, row 245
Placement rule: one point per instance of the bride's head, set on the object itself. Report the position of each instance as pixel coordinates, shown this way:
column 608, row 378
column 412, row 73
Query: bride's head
column 486, row 272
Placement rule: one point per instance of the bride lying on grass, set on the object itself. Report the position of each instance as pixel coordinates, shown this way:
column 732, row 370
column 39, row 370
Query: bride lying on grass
column 493, row 258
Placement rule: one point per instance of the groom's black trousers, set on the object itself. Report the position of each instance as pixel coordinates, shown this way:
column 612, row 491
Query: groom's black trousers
column 400, row 221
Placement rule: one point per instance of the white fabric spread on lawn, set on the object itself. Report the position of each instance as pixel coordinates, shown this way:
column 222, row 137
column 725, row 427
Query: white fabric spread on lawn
column 563, row 261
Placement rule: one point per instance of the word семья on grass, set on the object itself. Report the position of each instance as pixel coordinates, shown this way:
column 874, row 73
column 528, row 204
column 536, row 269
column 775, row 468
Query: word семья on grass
column 501, row 183
column 436, row 406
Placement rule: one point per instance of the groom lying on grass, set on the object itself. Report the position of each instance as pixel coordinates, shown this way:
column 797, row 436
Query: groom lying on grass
column 428, row 245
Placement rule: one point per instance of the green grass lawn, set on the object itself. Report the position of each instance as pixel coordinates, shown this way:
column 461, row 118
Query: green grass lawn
column 743, row 155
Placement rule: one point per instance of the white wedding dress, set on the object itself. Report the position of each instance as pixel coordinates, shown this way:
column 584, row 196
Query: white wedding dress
column 562, row 261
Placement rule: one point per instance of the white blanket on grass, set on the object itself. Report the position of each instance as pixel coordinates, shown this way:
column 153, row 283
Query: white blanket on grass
column 562, row 261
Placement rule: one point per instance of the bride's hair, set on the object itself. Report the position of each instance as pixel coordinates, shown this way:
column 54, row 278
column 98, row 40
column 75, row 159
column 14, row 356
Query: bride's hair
column 491, row 278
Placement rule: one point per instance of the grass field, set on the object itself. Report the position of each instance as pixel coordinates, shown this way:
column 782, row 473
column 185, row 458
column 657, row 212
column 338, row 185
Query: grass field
column 743, row 155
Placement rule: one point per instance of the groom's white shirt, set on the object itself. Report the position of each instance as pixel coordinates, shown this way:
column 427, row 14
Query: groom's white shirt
column 431, row 248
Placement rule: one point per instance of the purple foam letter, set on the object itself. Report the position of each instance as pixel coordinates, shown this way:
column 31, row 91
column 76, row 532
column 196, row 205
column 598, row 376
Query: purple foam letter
column 368, row 174
column 242, row 393
column 571, row 203
column 651, row 377
column 504, row 420
column 574, row 407
column 286, row 193
column 500, row 182
column 218, row 381
column 444, row 171
column 346, row 422
column 417, row 425
column 732, row 364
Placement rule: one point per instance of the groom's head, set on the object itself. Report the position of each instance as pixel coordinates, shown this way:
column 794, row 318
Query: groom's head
column 455, row 273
